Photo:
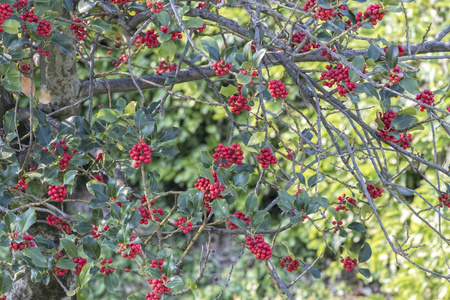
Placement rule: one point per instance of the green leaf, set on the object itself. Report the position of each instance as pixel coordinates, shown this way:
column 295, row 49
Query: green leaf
column 392, row 56
column 358, row 62
column 373, row 53
column 259, row 218
column 257, row 57
column 11, row 26
column 43, row 134
column 365, row 253
column 69, row 177
column 100, row 25
column 11, row 81
column 251, row 203
column 205, row 173
column 196, row 22
column 9, row 126
column 243, row 79
column 70, row 247
column 5, row 283
column 238, row 222
column 209, row 42
column 220, row 208
column 356, row 226
column 111, row 281
column 91, row 247
column 36, row 256
column 66, row 264
column 410, row 85
column 301, row 178
column 41, row 6
column 84, row 276
column 315, row 179
column 321, row 200
column 229, row 90
column 27, row 219
column 62, row 41
column 167, row 50
column 163, row 18
column 403, row 121
column 108, row 115
column 365, row 272
column 256, row 138
column 240, row 180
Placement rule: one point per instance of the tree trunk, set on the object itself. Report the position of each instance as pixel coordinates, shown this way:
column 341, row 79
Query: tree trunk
column 60, row 79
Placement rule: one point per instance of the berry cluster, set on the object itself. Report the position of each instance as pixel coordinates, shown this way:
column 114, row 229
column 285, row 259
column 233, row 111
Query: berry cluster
column 349, row 263
column 395, row 76
column 146, row 215
column 155, row 6
column 59, row 223
column 120, row 1
column 114, row 200
column 375, row 192
column 106, row 270
column 152, row 296
column 291, row 265
column 96, row 232
column 3, row 297
column 338, row 75
column 158, row 285
column 241, row 216
column 20, row 4
column 266, row 158
column 79, row 30
column 211, row 191
column 133, row 249
column 343, row 200
column 221, row 67
column 387, row 118
column 290, row 154
column 165, row 67
column 238, row 103
column 81, row 262
column 5, row 13
column 29, row 17
column 157, row 264
column 24, row 68
column 57, row 192
column 21, row 185
column 183, row 224
column 425, row 97
column 60, row 272
column 43, row 53
column 200, row 5
column 19, row 246
column 299, row 37
column 123, row 59
column 141, row 153
column 66, row 156
column 200, row 29
column 98, row 177
column 175, row 34
column 228, row 155
column 259, row 247
column 337, row 226
column 444, row 200
column 404, row 141
column 278, row 89
column 373, row 13
column 44, row 28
